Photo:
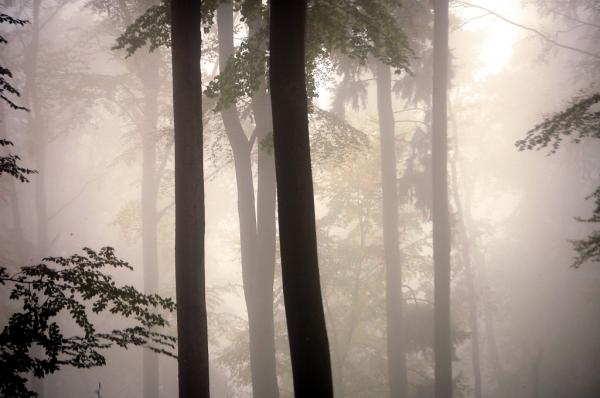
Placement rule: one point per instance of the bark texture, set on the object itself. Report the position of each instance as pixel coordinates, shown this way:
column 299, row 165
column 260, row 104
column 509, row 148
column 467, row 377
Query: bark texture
column 192, row 338
column 309, row 348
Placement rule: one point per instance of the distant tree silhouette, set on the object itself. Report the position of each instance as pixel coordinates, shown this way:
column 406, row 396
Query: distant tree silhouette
column 440, row 216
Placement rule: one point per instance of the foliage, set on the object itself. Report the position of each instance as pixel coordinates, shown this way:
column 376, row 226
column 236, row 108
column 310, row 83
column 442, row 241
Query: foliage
column 152, row 28
column 357, row 29
column 8, row 164
column 580, row 120
column 5, row 87
column 64, row 285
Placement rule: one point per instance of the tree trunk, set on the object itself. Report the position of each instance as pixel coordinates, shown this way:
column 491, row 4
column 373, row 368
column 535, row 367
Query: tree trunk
column 257, row 261
column 266, row 377
column 465, row 245
column 265, row 254
column 472, row 294
column 440, row 218
column 149, row 192
column 394, row 302
column 36, row 133
column 192, row 338
column 309, row 349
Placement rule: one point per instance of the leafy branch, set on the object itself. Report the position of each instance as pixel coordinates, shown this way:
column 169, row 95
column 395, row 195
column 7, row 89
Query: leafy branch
column 75, row 286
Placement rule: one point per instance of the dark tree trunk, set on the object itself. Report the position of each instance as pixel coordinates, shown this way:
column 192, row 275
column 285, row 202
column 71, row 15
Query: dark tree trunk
column 309, row 349
column 192, row 336
column 149, row 191
column 258, row 256
column 441, row 225
column 394, row 302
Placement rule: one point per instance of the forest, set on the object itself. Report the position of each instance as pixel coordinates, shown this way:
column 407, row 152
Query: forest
column 299, row 198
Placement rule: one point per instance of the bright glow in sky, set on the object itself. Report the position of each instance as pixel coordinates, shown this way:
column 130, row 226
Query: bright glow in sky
column 499, row 35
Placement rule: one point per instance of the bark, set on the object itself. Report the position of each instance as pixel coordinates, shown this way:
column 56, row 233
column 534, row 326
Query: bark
column 149, row 197
column 309, row 348
column 192, row 338
column 394, row 302
column 440, row 217
column 258, row 255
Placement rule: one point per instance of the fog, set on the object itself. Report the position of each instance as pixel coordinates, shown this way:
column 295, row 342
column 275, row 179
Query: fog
column 99, row 132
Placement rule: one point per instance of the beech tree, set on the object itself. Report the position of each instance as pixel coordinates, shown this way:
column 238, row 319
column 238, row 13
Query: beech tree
column 309, row 348
column 192, row 333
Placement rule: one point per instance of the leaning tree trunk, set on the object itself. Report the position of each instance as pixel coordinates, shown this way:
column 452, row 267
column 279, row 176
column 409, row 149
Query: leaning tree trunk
column 192, row 338
column 309, row 348
column 257, row 284
column 394, row 302
column 440, row 217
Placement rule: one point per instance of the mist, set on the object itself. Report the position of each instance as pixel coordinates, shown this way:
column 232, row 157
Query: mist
column 96, row 77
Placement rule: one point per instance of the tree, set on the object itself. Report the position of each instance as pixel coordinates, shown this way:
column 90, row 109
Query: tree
column 186, row 38
column 394, row 300
column 440, row 217
column 309, row 348
column 75, row 285
column 578, row 121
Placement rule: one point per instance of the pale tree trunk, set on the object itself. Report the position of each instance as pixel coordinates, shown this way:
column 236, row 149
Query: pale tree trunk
column 149, row 196
column 309, row 348
column 37, row 135
column 257, row 234
column 192, row 337
column 440, row 217
column 465, row 245
column 264, row 374
column 393, row 291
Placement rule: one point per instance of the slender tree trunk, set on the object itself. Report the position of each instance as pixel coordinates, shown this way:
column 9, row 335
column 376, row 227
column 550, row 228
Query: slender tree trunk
column 394, row 302
column 441, row 224
column 309, row 348
column 472, row 294
column 465, row 244
column 257, row 277
column 192, row 341
column 265, row 373
column 149, row 192
column 36, row 133
column 257, row 237
column 265, row 263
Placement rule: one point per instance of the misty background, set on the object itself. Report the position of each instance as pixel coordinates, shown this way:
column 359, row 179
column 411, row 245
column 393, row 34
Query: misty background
column 512, row 213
